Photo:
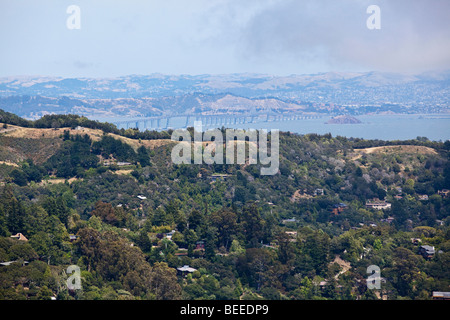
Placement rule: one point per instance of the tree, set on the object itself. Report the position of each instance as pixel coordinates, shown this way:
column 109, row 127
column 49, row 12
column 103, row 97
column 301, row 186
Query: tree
column 252, row 224
column 105, row 211
column 88, row 246
column 41, row 243
column 405, row 270
column 36, row 220
column 285, row 248
column 143, row 156
column 19, row 177
column 16, row 213
column 44, row 293
column 210, row 240
column 317, row 246
column 259, row 264
column 226, row 223
column 62, row 210
column 236, row 248
column 173, row 211
column 22, row 251
column 196, row 222
column 3, row 226
column 163, row 282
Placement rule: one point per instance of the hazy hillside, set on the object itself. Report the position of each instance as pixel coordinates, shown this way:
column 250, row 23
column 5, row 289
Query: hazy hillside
column 157, row 94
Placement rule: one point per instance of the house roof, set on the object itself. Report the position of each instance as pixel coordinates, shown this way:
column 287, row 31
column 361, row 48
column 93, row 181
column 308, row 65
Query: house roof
column 20, row 237
column 8, row 263
column 186, row 268
column 428, row 249
column 340, row 205
column 377, row 203
column 439, row 294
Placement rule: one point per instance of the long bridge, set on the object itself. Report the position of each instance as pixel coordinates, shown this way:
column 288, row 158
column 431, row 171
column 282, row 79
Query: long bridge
column 184, row 121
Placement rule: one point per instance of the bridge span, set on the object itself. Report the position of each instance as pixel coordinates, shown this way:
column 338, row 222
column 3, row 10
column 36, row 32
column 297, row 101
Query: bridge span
column 208, row 121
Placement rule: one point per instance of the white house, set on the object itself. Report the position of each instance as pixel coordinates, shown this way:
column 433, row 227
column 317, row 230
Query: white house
column 378, row 205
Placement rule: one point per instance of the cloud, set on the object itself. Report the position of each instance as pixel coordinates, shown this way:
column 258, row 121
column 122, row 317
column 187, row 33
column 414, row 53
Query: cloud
column 223, row 36
column 413, row 37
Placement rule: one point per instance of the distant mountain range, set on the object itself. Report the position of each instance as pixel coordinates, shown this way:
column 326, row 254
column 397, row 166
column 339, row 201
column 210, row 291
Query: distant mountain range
column 156, row 94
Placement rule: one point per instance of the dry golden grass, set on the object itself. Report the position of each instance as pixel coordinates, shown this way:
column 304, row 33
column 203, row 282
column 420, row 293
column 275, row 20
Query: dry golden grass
column 398, row 149
column 298, row 194
column 94, row 134
column 8, row 163
column 122, row 172
column 56, row 181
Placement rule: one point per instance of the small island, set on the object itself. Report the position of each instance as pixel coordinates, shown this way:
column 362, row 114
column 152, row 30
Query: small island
column 343, row 120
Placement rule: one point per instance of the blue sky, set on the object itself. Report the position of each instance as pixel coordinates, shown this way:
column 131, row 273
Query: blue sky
column 278, row 37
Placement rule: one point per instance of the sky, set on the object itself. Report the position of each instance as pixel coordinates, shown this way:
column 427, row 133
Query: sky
column 278, row 37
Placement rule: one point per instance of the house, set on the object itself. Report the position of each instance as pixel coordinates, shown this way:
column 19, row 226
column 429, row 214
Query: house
column 318, row 192
column 271, row 245
column 8, row 263
column 292, row 234
column 438, row 295
column 423, row 197
column 378, row 204
column 416, row 241
column 388, row 219
column 72, row 237
column 426, row 251
column 170, row 234
column 338, row 208
column 445, row 193
column 184, row 270
column 142, row 197
column 292, row 220
column 20, row 237
column 200, row 245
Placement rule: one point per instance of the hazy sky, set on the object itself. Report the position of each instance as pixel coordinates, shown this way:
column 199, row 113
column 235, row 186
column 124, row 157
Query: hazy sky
column 280, row 37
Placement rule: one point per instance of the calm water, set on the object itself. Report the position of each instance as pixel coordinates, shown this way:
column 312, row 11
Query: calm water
column 386, row 127
column 383, row 127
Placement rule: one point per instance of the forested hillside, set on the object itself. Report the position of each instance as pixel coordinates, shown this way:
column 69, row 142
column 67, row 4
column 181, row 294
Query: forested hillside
column 130, row 218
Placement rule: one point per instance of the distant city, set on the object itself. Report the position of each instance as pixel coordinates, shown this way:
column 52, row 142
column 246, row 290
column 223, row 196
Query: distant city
column 159, row 95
